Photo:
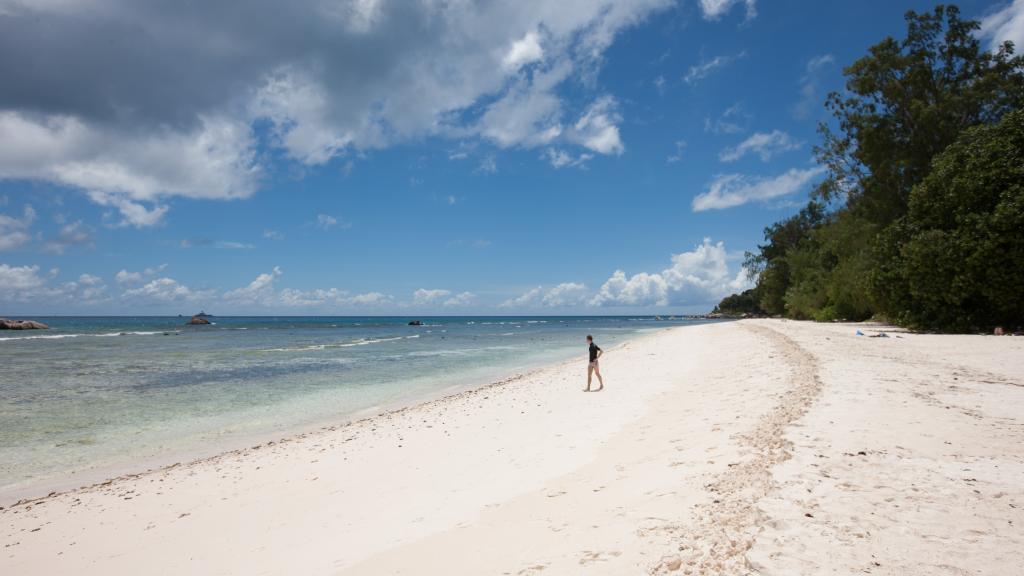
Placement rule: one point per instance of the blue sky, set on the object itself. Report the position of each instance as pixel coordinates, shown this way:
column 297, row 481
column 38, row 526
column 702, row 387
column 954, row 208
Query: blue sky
column 371, row 157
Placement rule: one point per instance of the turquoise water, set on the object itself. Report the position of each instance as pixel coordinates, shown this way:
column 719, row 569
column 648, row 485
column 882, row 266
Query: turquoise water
column 99, row 394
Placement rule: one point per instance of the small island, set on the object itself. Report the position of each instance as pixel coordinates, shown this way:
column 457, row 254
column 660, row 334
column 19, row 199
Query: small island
column 199, row 319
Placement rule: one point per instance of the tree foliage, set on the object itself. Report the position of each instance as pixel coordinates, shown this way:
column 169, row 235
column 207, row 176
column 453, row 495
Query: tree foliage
column 908, row 224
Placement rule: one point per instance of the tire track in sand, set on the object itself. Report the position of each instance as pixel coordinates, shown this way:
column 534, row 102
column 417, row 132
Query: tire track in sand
column 727, row 527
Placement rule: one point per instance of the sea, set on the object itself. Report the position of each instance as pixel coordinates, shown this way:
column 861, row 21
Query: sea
column 96, row 396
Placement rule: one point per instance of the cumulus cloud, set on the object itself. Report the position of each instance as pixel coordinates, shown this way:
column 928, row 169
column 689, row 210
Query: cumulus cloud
column 460, row 299
column 560, row 158
column 15, row 280
column 700, row 276
column 729, row 190
column 129, row 171
column 14, row 231
column 1005, row 24
column 164, row 291
column 259, row 291
column 523, row 51
column 429, row 296
column 597, row 128
column 715, row 9
column 564, row 294
column 124, row 277
column 704, row 68
column 763, row 144
column 23, row 284
column 326, row 78
column 330, row 297
column 72, row 234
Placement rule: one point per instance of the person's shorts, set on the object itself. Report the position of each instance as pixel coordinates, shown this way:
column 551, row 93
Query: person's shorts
column 593, row 364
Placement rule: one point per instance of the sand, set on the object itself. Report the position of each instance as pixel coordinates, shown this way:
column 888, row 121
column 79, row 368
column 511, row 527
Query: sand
column 752, row 447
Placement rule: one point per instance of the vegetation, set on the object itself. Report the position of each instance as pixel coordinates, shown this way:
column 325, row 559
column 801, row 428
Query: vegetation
column 743, row 304
column 920, row 218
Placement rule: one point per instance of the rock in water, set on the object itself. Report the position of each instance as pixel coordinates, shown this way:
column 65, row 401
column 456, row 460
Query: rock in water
column 6, row 324
column 415, row 323
column 197, row 320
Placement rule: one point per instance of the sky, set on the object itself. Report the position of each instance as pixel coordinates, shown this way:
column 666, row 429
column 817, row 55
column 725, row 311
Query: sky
column 419, row 157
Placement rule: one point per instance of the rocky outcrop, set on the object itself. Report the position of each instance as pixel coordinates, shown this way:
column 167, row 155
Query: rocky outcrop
column 415, row 323
column 6, row 324
column 198, row 320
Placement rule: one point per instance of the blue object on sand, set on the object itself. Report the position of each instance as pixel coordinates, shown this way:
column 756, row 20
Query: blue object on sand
column 859, row 333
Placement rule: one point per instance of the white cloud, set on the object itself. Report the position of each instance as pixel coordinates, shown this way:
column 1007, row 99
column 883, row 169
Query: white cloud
column 677, row 156
column 273, row 235
column 488, row 164
column 729, row 190
column 326, row 222
column 330, row 297
column 731, row 121
column 597, row 130
column 163, row 291
column 809, row 85
column 714, row 9
column 524, row 51
column 641, row 289
column 18, row 279
column 73, row 234
column 564, row 294
column 23, row 284
column 14, row 231
column 764, row 144
column 702, row 70
column 429, row 296
column 560, row 158
column 126, row 277
column 89, row 280
column 1005, row 24
column 397, row 72
column 460, row 299
column 700, row 276
column 259, row 291
column 132, row 173
column 528, row 298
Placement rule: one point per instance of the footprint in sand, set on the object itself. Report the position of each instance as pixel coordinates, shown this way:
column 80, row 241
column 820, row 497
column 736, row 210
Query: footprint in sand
column 591, row 557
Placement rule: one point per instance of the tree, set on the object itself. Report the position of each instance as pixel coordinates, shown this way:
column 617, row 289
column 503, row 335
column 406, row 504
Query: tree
column 769, row 263
column 905, row 102
column 956, row 260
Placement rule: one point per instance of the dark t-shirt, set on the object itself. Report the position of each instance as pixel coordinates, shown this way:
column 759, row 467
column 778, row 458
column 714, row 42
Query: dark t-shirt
column 593, row 351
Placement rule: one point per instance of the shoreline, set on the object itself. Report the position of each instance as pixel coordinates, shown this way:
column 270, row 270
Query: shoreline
column 106, row 475
column 753, row 447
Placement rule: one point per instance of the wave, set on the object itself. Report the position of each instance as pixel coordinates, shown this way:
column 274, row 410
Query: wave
column 363, row 342
column 44, row 337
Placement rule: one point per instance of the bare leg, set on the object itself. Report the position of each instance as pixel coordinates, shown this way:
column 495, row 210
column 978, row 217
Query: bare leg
column 600, row 380
column 590, row 374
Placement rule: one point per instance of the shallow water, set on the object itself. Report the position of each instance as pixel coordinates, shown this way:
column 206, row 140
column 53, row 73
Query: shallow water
column 100, row 393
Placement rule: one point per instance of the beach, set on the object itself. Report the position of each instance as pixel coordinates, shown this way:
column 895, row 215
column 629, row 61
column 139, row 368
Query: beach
column 747, row 447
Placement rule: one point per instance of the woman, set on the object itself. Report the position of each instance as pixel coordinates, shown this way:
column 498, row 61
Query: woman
column 593, row 367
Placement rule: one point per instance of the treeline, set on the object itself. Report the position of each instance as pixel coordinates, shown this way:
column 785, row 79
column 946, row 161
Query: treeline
column 920, row 219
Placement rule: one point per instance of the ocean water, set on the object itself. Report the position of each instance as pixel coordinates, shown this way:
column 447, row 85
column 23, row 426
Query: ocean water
column 101, row 395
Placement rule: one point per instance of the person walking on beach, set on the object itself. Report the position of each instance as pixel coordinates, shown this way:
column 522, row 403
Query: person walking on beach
column 593, row 367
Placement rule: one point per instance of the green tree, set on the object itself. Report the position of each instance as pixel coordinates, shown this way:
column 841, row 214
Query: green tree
column 956, row 260
column 769, row 263
column 905, row 102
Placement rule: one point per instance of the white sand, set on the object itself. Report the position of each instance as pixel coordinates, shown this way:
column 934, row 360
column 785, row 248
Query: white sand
column 730, row 448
